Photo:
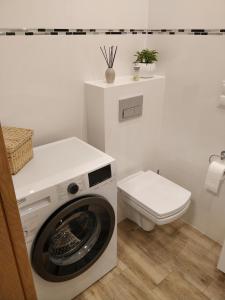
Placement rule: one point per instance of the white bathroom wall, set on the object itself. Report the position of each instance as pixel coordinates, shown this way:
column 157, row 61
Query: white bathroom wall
column 187, row 14
column 41, row 77
column 42, row 80
column 193, row 125
column 73, row 13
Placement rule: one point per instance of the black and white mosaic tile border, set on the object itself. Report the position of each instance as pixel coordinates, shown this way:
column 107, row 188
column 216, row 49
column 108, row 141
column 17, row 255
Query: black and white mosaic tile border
column 66, row 31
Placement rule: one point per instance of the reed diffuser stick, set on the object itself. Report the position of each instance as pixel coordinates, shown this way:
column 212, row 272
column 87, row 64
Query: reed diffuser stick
column 104, row 57
column 114, row 56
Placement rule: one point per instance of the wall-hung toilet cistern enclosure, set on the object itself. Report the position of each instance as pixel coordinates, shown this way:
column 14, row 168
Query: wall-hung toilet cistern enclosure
column 67, row 201
column 124, row 120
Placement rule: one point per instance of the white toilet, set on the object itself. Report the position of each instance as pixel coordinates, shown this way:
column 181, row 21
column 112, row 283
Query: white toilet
column 151, row 199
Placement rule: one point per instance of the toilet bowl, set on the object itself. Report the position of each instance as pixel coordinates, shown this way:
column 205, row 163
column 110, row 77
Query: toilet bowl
column 151, row 199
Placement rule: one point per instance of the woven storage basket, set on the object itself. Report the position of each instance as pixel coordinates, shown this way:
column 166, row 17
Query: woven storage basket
column 19, row 148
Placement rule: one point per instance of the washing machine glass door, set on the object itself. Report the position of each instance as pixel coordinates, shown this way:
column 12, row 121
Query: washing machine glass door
column 73, row 238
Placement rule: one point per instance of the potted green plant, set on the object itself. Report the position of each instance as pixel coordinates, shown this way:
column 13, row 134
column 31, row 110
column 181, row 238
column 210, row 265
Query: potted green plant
column 146, row 60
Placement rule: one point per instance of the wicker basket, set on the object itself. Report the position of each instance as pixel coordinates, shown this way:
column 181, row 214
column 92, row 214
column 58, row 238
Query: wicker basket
column 19, row 148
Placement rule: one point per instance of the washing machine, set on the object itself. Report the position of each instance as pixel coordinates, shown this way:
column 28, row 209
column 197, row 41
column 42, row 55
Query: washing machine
column 67, row 199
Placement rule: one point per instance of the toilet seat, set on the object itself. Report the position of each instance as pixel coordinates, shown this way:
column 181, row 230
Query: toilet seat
column 156, row 195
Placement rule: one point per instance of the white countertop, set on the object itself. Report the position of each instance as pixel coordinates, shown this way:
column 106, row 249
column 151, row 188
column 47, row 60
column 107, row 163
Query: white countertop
column 120, row 81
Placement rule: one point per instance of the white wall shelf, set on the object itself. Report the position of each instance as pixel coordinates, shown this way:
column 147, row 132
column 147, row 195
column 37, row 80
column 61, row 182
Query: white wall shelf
column 122, row 81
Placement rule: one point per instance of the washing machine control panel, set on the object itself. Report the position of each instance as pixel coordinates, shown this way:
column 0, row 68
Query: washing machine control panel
column 72, row 188
column 68, row 189
column 99, row 175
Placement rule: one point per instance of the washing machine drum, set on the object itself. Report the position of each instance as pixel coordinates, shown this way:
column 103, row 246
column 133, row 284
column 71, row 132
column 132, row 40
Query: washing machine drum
column 73, row 238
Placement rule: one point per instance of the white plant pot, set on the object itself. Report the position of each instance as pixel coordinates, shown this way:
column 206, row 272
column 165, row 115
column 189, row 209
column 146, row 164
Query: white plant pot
column 146, row 70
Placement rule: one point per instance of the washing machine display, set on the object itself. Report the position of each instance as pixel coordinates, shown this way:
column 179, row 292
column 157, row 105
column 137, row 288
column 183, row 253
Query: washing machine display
column 73, row 238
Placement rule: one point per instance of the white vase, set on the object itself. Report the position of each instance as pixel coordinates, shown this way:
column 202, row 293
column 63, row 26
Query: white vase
column 146, row 70
column 110, row 75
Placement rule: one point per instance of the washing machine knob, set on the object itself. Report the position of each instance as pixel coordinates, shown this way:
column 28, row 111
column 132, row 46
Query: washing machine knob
column 72, row 188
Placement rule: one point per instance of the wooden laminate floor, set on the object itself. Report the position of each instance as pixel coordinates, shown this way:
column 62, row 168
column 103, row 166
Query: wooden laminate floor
column 173, row 262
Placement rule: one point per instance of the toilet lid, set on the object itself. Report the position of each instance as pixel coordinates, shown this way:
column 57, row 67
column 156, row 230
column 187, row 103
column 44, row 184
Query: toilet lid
column 156, row 194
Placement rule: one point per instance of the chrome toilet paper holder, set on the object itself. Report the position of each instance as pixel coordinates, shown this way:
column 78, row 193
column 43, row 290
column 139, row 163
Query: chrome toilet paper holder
column 221, row 156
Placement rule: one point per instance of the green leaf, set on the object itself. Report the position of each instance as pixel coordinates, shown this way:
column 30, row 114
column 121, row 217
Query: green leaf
column 146, row 56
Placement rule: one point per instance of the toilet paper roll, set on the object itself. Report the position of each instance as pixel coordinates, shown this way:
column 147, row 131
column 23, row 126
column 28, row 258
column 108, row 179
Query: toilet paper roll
column 214, row 176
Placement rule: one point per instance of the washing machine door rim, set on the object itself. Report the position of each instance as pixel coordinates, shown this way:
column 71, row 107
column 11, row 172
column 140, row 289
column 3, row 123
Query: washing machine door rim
column 73, row 238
